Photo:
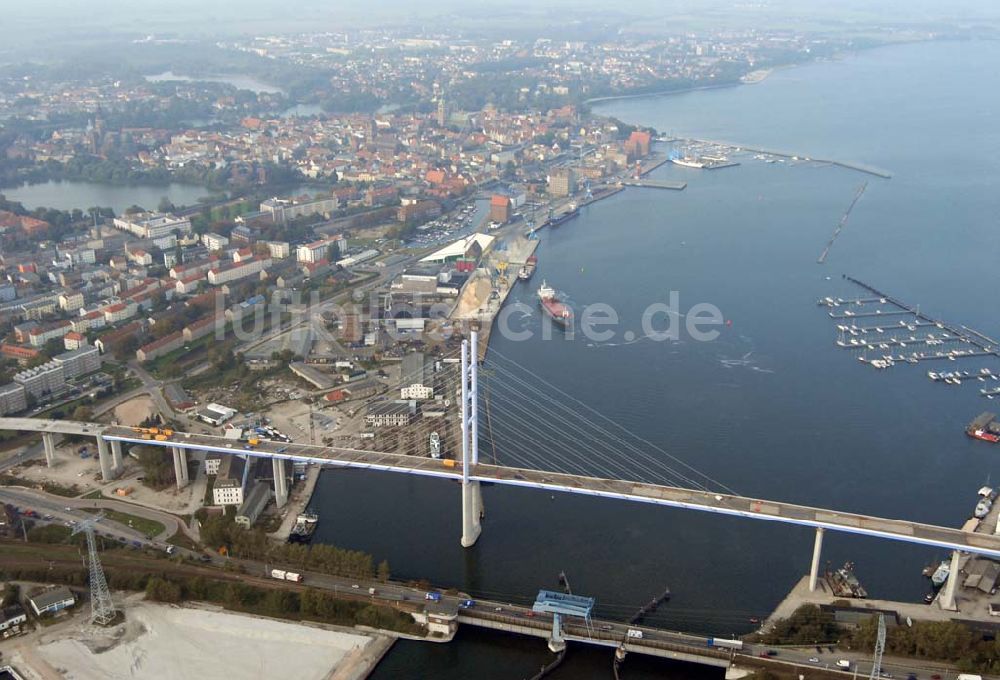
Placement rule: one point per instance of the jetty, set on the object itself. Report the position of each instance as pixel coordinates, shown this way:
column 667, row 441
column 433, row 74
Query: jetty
column 655, row 184
column 897, row 333
column 840, row 225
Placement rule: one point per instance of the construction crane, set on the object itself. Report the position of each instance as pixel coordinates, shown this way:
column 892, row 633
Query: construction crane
column 102, row 609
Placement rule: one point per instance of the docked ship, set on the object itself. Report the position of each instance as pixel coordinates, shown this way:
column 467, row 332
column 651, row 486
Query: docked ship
column 557, row 311
column 984, row 428
column 573, row 211
column 940, row 574
column 528, row 269
column 688, row 162
column 844, row 583
column 305, row 526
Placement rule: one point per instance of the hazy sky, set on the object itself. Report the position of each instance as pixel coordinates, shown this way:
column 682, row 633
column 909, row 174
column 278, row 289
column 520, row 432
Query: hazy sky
column 73, row 20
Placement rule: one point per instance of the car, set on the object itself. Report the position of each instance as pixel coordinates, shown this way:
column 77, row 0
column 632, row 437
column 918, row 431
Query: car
column 772, row 652
column 884, row 674
column 355, row 586
column 529, row 613
column 466, row 604
column 498, row 609
column 205, row 558
column 813, row 659
column 47, row 517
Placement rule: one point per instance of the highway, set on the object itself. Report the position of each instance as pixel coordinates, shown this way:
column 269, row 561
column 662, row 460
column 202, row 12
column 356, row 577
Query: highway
column 705, row 501
column 691, row 499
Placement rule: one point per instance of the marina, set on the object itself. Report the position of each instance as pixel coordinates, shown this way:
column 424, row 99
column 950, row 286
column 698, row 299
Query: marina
column 962, row 342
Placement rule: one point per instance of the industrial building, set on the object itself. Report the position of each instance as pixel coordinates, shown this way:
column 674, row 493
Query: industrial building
column 52, row 600
column 390, row 414
column 251, row 508
column 471, row 247
column 228, row 488
column 413, row 382
column 215, row 414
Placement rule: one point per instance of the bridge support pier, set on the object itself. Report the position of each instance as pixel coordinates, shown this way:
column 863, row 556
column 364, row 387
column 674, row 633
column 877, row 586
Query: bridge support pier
column 117, row 465
column 947, row 598
column 104, row 458
column 49, row 442
column 280, row 483
column 180, row 467
column 556, row 641
column 817, row 552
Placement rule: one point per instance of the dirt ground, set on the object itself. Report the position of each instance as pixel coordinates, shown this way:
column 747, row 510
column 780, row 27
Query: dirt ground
column 85, row 475
column 134, row 411
column 474, row 296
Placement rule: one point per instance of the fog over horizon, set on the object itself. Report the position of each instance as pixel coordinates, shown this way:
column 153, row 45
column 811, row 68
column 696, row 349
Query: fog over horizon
column 73, row 20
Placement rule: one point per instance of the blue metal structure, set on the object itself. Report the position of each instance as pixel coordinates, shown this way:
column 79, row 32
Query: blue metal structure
column 552, row 602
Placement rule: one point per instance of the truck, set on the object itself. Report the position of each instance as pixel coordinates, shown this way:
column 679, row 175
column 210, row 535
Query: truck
column 292, row 576
column 726, row 643
column 278, row 574
column 371, row 591
column 635, row 634
column 433, row 596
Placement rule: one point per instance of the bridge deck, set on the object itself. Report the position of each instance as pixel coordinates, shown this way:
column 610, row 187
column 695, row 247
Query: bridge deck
column 705, row 501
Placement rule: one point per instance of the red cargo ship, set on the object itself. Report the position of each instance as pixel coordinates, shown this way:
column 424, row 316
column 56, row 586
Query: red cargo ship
column 556, row 310
column 984, row 435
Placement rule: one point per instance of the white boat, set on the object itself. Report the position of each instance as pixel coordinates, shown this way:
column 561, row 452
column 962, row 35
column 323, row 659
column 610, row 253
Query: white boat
column 688, row 162
column 940, row 574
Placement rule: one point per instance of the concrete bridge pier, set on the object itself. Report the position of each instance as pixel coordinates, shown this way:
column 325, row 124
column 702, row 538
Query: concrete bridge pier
column 280, row 483
column 180, row 467
column 117, row 465
column 817, row 552
column 556, row 642
column 471, row 526
column 947, row 597
column 49, row 442
column 104, row 458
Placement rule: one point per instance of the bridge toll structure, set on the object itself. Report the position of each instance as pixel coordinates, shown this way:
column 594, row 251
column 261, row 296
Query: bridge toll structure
column 472, row 499
column 817, row 552
column 49, row 442
column 280, row 482
column 947, row 598
column 180, row 467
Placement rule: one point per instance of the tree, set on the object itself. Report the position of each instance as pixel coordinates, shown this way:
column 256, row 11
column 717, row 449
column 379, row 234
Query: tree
column 383, row 571
column 165, row 205
column 82, row 414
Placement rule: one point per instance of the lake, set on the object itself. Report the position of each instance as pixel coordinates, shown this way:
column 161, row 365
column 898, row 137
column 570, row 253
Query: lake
column 66, row 195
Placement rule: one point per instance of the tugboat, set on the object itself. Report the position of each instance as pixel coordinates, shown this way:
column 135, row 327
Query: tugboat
column 556, row 310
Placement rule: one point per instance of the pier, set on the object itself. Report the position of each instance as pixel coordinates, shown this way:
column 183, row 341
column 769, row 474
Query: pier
column 840, row 225
column 859, row 167
column 655, row 184
column 882, row 337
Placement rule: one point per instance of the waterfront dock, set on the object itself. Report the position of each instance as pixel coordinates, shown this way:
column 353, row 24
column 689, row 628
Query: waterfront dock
column 970, row 343
column 655, row 184
column 848, row 165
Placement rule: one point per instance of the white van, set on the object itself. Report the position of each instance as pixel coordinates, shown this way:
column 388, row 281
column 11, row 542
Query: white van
column 844, row 663
column 633, row 633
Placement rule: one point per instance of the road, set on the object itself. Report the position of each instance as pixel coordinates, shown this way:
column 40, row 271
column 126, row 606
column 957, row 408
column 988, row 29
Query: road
column 691, row 499
column 72, row 510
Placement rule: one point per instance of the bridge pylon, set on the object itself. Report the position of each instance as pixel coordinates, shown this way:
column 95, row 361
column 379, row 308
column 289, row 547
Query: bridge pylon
column 556, row 641
column 472, row 498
